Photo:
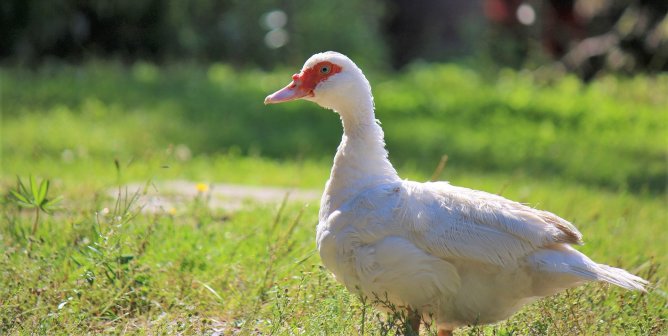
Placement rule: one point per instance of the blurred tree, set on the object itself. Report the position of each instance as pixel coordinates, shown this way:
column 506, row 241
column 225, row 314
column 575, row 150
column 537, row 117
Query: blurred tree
column 431, row 30
column 623, row 36
column 204, row 30
column 586, row 36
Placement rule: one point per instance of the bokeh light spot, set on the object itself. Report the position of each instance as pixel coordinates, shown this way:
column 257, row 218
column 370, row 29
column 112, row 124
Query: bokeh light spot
column 526, row 14
column 275, row 19
column 276, row 38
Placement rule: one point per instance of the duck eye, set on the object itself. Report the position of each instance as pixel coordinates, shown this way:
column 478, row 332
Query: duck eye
column 324, row 69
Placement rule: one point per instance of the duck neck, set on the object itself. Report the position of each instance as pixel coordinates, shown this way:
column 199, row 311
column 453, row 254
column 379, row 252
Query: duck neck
column 361, row 160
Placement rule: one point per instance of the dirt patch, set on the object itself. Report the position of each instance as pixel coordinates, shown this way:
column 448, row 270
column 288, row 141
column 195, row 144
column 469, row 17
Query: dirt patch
column 174, row 195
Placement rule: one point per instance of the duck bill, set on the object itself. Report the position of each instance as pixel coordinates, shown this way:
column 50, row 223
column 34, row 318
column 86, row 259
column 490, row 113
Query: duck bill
column 288, row 93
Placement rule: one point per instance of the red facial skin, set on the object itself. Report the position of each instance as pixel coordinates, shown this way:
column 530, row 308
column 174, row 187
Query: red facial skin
column 310, row 77
column 304, row 83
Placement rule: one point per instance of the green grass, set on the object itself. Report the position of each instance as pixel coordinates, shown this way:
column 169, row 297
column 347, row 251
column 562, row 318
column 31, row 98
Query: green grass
column 594, row 154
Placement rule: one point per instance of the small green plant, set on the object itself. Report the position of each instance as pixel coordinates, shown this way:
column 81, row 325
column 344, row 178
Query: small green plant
column 109, row 261
column 34, row 197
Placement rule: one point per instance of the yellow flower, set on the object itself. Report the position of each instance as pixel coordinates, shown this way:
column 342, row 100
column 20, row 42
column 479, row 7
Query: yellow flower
column 202, row 187
column 172, row 211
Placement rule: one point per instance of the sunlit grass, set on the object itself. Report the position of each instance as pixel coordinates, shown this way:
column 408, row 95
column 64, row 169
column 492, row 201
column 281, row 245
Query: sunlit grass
column 101, row 266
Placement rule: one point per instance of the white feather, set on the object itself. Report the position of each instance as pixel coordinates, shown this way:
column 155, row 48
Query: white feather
column 459, row 255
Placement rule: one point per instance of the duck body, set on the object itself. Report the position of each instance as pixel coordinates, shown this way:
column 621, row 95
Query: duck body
column 428, row 247
column 451, row 254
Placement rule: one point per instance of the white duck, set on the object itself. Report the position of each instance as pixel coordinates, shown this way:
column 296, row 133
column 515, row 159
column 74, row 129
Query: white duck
column 451, row 254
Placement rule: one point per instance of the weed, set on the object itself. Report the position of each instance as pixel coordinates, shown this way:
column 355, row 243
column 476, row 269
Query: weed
column 35, row 196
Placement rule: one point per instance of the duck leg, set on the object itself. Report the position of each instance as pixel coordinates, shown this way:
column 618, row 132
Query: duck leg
column 414, row 322
column 444, row 332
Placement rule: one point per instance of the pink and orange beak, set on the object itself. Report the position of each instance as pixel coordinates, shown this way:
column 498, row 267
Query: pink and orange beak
column 295, row 90
column 304, row 83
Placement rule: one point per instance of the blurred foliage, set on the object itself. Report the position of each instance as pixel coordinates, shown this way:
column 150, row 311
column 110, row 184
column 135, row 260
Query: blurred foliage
column 609, row 133
column 585, row 37
column 205, row 30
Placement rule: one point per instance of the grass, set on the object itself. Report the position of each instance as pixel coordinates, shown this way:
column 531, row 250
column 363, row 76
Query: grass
column 595, row 155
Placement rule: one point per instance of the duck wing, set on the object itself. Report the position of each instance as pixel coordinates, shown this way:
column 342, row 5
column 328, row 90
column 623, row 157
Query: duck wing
column 455, row 222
